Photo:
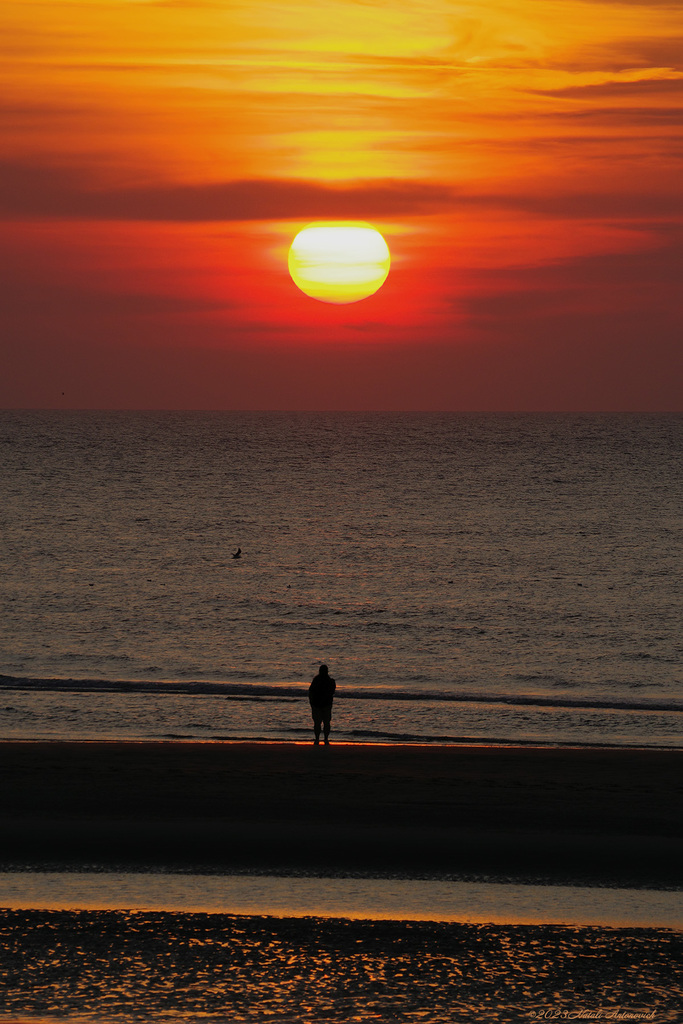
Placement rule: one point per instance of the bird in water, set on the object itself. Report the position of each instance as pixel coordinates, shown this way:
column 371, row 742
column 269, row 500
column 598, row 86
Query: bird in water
column 237, row 554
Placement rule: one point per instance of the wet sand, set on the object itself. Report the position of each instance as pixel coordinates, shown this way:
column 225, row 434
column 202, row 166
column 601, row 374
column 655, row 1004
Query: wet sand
column 577, row 815
column 113, row 965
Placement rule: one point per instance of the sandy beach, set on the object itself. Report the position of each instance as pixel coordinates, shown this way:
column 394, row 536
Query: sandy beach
column 234, row 970
column 579, row 815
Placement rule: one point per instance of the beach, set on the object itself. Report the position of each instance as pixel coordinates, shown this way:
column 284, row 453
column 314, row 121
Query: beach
column 230, row 970
column 587, row 817
column 577, row 816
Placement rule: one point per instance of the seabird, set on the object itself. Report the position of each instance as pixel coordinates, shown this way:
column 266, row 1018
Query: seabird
column 236, row 554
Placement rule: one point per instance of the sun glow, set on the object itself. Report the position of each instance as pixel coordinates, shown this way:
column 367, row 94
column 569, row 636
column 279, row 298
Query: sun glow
column 339, row 263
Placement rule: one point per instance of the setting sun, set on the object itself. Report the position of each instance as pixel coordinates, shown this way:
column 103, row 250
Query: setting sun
column 339, row 262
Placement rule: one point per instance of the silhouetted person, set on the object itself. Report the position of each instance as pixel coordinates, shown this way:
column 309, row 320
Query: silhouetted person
column 320, row 696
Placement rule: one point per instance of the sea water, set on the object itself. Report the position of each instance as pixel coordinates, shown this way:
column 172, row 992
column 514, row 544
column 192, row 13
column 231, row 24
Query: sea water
column 389, row 899
column 509, row 578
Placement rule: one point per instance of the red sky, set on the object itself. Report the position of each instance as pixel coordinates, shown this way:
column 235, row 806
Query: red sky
column 523, row 160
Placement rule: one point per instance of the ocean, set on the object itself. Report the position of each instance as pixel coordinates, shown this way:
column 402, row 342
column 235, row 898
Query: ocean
column 467, row 578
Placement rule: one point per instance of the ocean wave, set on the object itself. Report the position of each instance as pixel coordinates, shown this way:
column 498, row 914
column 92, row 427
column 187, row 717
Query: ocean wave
column 287, row 692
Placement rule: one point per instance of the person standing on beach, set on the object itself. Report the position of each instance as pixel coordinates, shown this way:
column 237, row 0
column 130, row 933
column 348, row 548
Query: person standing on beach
column 320, row 696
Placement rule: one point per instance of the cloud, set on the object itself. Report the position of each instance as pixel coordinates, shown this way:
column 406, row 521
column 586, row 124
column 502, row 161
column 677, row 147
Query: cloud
column 603, row 283
column 631, row 206
column 627, row 117
column 34, row 191
column 21, row 296
column 654, row 5
column 615, row 88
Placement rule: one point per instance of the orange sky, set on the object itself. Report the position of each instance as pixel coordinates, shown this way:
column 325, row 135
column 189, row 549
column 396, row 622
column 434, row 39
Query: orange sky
column 523, row 159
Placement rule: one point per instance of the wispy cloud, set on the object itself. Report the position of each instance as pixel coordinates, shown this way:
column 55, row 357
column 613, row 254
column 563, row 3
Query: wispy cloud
column 37, row 191
column 644, row 87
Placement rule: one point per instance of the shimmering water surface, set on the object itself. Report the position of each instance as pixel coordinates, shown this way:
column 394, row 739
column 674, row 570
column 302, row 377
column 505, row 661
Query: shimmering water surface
column 508, row 577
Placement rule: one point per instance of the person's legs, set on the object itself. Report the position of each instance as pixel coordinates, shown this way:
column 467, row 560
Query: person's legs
column 327, row 722
column 317, row 723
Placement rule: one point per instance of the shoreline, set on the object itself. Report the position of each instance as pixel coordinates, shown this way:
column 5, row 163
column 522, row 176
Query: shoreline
column 586, row 815
column 464, row 743
column 377, row 899
column 298, row 690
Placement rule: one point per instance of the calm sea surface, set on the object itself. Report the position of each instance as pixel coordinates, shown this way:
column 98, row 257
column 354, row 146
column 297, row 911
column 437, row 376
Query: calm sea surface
column 506, row 577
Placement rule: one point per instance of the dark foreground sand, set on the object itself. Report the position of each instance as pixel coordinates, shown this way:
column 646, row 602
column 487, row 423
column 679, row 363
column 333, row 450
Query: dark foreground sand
column 124, row 967
column 566, row 815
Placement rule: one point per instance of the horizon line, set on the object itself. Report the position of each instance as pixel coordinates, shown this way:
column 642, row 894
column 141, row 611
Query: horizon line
column 346, row 411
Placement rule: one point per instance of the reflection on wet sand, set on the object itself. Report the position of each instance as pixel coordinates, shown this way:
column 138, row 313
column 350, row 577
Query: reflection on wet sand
column 388, row 899
column 106, row 965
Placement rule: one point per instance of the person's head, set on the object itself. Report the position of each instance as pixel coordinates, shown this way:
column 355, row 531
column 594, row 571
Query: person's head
column 323, row 670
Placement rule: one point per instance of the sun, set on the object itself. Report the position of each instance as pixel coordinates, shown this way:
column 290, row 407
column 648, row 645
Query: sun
column 339, row 262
